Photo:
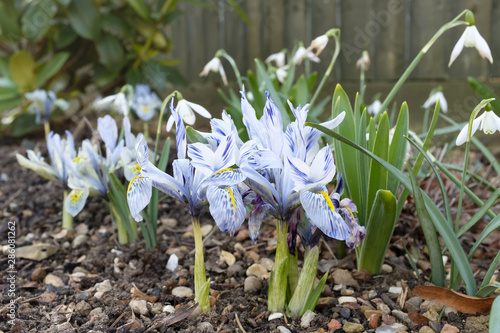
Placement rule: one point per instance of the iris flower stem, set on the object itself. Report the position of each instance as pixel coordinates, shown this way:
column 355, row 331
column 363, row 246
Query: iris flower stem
column 67, row 218
column 146, row 130
column 46, row 128
column 120, row 226
column 293, row 272
column 336, row 36
column 415, row 61
column 201, row 285
column 306, row 282
column 278, row 281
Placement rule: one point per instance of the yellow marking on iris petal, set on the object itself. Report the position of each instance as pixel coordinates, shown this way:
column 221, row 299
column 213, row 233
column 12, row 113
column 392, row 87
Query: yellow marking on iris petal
column 136, row 167
column 328, row 200
column 78, row 159
column 222, row 170
column 232, row 197
column 75, row 197
column 131, row 181
column 351, row 214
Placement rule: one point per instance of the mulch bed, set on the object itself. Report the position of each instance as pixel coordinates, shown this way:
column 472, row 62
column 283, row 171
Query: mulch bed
column 92, row 283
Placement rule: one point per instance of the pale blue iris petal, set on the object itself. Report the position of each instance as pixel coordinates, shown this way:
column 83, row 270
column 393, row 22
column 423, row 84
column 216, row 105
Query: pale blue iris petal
column 260, row 185
column 292, row 202
column 106, row 126
column 226, row 207
column 257, row 216
column 183, row 172
column 299, row 172
column 164, row 182
column 226, row 177
column 264, row 159
column 224, row 155
column 322, row 168
column 320, row 214
column 75, row 201
column 138, row 196
column 129, row 137
column 202, row 157
column 250, row 119
column 142, row 154
column 37, row 165
column 88, row 150
column 130, row 170
column 180, row 135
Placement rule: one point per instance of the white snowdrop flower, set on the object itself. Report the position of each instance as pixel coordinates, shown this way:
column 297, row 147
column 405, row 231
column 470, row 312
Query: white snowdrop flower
column 185, row 110
column 318, row 44
column 488, row 122
column 471, row 38
column 301, row 54
column 214, row 65
column 438, row 95
column 278, row 58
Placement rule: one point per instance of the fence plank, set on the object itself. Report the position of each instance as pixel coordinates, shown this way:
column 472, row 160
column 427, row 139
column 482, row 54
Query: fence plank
column 387, row 49
column 354, row 35
column 235, row 31
column 424, row 24
column 494, row 43
column 469, row 63
column 323, row 19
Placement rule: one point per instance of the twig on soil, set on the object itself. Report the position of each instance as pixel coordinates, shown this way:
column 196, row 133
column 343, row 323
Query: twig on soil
column 239, row 324
column 31, row 299
column 118, row 319
column 262, row 314
column 251, row 247
column 12, row 197
column 329, row 249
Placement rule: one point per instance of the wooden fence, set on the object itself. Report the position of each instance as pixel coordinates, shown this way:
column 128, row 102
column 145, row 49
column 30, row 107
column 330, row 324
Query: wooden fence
column 393, row 31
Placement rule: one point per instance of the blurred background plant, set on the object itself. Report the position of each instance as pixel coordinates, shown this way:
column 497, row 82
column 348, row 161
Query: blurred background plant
column 70, row 46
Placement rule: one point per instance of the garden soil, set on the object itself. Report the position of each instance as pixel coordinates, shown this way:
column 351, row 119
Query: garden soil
column 90, row 283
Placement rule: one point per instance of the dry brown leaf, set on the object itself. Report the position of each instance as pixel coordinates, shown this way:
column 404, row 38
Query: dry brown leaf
column 137, row 293
column 418, row 319
column 452, row 299
column 36, row 252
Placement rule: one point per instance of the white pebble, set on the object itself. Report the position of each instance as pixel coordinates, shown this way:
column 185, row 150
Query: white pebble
column 345, row 299
column 172, row 263
column 275, row 315
column 168, row 309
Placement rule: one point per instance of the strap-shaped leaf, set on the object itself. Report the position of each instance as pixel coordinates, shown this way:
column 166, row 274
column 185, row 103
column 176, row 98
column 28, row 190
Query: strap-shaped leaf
column 379, row 230
column 397, row 150
column 437, row 269
column 440, row 222
column 378, row 174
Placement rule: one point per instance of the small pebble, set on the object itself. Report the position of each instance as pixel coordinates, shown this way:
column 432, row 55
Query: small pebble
column 139, row 306
column 345, row 313
column 252, row 285
column 283, row 329
column 386, row 268
column 384, row 307
column 205, row 229
column 306, row 319
column 256, row 270
column 347, row 292
column 228, row 257
column 425, row 329
column 239, row 248
column 352, row 327
column 393, row 328
column 338, row 287
column 447, row 328
column 182, row 292
column 275, row 315
column 267, row 263
column 345, row 299
column 334, row 325
column 435, row 326
column 168, row 309
column 83, row 308
column 172, row 262
column 168, row 221
column 395, row 290
column 103, row 286
column 79, row 241
column 54, row 280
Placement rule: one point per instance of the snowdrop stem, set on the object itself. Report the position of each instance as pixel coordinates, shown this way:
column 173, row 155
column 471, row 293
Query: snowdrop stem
column 67, row 218
column 466, row 159
column 336, row 36
column 362, row 85
column 278, row 281
column 162, row 111
column 145, row 130
column 415, row 61
column 201, row 285
column 231, row 61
